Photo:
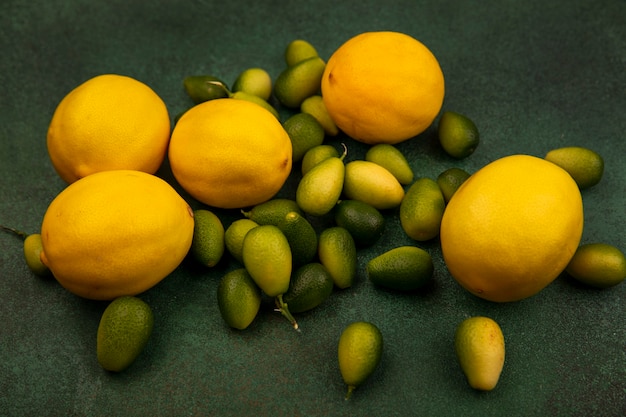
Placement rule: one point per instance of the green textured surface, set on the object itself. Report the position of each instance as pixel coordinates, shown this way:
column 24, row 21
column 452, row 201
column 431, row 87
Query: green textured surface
column 533, row 75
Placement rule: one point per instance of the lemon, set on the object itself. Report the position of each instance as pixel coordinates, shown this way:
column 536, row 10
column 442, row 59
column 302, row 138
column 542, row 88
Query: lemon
column 583, row 164
column 512, row 228
column 310, row 286
column 299, row 50
column 301, row 236
column 115, row 233
column 208, row 245
column 359, row 352
column 123, row 332
column 305, row 133
column 316, row 155
column 365, row 223
column 405, row 268
column 230, row 153
column 458, row 135
column 422, row 209
column 479, row 345
column 234, row 235
column 315, row 106
column 272, row 211
column 383, row 87
column 108, row 122
column 299, row 81
column 238, row 299
column 267, row 258
column 255, row 81
column 598, row 264
column 201, row 88
column 390, row 158
column 371, row 183
column 242, row 95
column 450, row 180
column 337, row 252
column 320, row 188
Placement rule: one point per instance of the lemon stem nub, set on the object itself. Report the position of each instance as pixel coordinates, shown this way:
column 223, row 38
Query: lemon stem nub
column 349, row 393
column 19, row 233
column 282, row 307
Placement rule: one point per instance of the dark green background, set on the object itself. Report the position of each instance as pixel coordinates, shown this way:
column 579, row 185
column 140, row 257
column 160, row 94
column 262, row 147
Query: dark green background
column 534, row 75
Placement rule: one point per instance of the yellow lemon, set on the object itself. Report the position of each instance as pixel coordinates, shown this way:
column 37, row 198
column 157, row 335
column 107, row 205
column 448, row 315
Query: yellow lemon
column 512, row 227
column 115, row 233
column 108, row 122
column 230, row 153
column 383, row 87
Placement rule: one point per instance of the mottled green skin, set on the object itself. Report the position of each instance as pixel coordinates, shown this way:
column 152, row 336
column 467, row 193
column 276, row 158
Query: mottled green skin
column 124, row 331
